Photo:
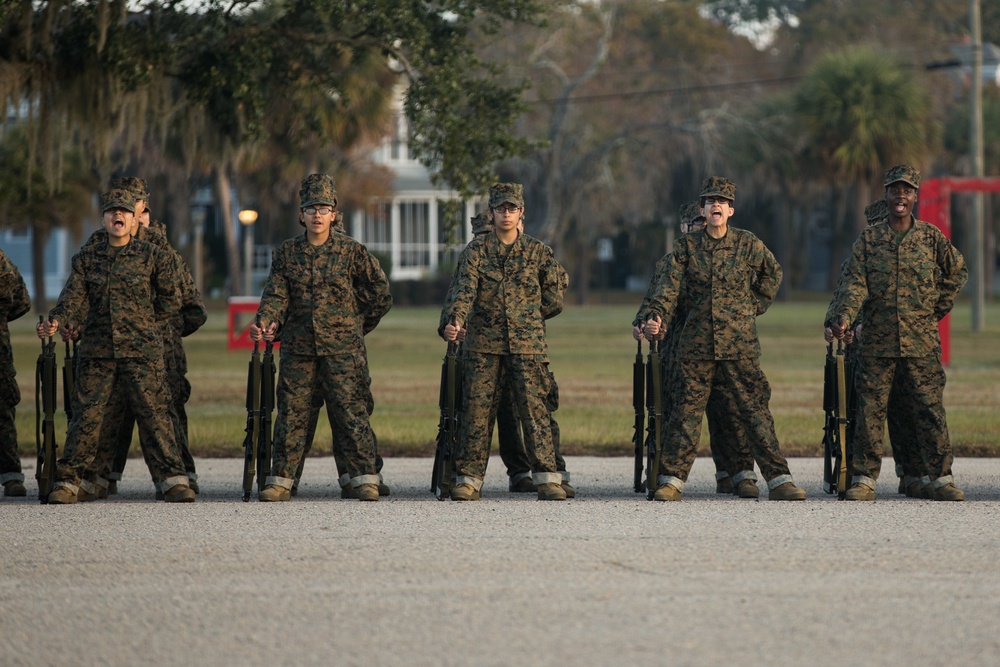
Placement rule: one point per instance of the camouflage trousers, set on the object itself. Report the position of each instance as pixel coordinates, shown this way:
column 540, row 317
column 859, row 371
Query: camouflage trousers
column 902, row 435
column 338, row 436
column 919, row 385
column 100, row 385
column 10, row 458
column 748, row 395
column 513, row 453
column 116, row 436
column 727, row 437
column 340, row 381
column 484, row 374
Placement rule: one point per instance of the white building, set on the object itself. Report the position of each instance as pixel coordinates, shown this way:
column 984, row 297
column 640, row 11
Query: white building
column 408, row 227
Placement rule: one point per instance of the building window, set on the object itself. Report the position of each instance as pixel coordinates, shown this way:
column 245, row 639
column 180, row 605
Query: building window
column 377, row 228
column 414, row 232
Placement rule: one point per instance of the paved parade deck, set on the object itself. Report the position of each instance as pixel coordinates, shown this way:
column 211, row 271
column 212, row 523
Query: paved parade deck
column 605, row 579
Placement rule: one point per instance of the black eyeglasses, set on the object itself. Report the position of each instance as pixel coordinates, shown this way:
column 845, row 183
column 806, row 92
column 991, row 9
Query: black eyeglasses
column 715, row 200
column 322, row 210
column 506, row 209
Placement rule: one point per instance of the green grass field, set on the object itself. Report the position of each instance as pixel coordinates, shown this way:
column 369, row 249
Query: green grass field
column 591, row 353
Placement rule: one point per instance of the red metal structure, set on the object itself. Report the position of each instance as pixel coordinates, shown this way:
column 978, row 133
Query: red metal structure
column 935, row 208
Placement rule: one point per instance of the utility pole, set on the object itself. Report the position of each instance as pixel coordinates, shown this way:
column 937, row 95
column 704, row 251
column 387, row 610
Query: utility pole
column 976, row 159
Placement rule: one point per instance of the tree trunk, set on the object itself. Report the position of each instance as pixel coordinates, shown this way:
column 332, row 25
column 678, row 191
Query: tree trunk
column 39, row 237
column 222, row 187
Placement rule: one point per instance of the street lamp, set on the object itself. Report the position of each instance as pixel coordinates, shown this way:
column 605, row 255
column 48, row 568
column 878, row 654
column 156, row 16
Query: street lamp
column 247, row 217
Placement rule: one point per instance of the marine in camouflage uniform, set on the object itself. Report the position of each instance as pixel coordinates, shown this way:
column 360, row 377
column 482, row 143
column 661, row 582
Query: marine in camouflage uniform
column 902, row 436
column 901, row 279
column 507, row 285
column 346, row 490
column 120, row 422
column 325, row 292
column 123, row 291
column 724, row 278
column 14, row 302
column 513, row 453
column 733, row 462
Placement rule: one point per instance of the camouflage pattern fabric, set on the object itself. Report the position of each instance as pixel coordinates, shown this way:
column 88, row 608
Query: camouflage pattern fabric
column 134, row 184
column 340, row 381
column 122, row 199
column 507, row 193
column 921, row 382
column 513, row 453
column 717, row 186
column 529, row 383
column 720, row 286
column 14, row 302
column 750, row 393
column 325, row 298
column 724, row 285
column 900, row 288
column 142, row 383
column 317, row 189
column 902, row 173
column 727, row 442
column 504, row 296
column 123, row 299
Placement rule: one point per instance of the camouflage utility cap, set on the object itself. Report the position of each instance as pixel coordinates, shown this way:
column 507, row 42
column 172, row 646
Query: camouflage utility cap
column 717, row 186
column 481, row 224
column 317, row 189
column 902, row 173
column 134, row 184
column 122, row 199
column 875, row 211
column 689, row 214
column 511, row 193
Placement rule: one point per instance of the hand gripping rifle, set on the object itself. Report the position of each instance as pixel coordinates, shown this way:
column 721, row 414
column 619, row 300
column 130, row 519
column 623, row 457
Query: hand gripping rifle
column 639, row 405
column 836, row 429
column 253, row 421
column 45, row 418
column 449, row 400
column 264, row 442
column 654, row 408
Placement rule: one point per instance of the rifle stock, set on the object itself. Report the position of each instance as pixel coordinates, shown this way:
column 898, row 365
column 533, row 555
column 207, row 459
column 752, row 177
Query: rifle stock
column 45, row 412
column 639, row 405
column 654, row 406
column 264, row 446
column 253, row 422
column 449, row 400
column 838, row 418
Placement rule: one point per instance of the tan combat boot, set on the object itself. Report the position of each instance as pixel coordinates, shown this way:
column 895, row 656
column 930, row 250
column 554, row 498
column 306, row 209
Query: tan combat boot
column 747, row 489
column 786, row 491
column 14, row 489
column 551, row 491
column 948, row 492
column 523, row 485
column 179, row 493
column 568, row 490
column 725, row 485
column 464, row 492
column 273, row 493
column 860, row 492
column 367, row 492
column 85, row 496
column 667, row 492
column 62, row 496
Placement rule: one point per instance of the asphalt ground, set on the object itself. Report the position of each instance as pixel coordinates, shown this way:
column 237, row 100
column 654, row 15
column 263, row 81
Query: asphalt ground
column 605, row 579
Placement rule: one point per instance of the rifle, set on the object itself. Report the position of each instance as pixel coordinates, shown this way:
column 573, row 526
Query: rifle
column 45, row 418
column 69, row 379
column 449, row 400
column 654, row 408
column 253, row 421
column 264, row 443
column 639, row 405
column 837, row 448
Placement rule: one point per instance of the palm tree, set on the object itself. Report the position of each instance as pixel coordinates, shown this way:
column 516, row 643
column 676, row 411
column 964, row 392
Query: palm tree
column 859, row 112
